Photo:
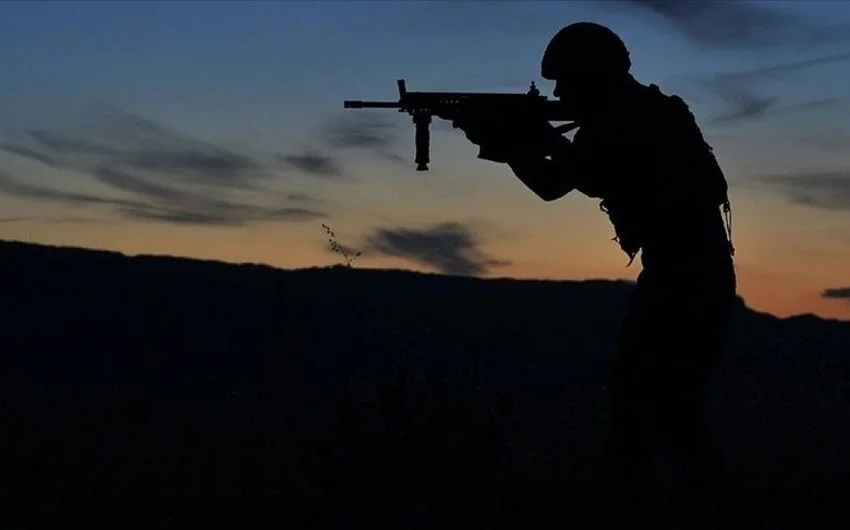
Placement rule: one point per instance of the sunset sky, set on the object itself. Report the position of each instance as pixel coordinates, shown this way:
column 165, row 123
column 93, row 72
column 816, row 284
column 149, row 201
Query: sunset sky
column 217, row 130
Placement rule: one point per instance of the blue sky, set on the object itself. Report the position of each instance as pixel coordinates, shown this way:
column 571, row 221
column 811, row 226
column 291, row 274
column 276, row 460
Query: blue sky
column 216, row 129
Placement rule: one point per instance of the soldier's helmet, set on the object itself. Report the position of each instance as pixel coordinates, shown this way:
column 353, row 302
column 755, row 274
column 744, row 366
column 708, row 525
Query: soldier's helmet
column 585, row 49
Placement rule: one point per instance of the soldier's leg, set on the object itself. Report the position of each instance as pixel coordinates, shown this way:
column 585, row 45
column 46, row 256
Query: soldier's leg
column 630, row 440
column 630, row 426
column 692, row 357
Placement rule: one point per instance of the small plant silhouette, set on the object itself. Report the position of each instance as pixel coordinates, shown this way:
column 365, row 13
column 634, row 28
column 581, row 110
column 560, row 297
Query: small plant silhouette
column 337, row 247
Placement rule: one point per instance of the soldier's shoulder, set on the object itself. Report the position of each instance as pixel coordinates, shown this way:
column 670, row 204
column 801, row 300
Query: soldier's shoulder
column 668, row 114
column 669, row 105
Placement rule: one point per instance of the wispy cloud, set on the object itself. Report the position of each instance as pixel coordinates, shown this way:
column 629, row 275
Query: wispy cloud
column 31, row 154
column 366, row 131
column 449, row 247
column 132, row 143
column 840, row 293
column 51, row 220
column 155, row 174
column 314, row 163
column 788, row 67
column 827, row 190
column 746, row 105
column 746, row 93
column 301, row 198
column 739, row 24
column 16, row 188
column 167, row 208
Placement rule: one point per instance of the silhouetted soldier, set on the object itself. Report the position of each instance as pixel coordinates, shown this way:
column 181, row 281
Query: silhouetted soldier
column 643, row 154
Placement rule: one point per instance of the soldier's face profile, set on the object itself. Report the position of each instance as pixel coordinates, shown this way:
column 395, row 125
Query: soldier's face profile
column 561, row 90
column 567, row 93
column 580, row 93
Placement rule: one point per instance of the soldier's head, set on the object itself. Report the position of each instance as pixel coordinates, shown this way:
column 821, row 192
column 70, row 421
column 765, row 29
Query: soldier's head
column 586, row 60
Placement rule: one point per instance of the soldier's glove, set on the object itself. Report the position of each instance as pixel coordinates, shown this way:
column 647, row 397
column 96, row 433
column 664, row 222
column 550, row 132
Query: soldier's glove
column 502, row 137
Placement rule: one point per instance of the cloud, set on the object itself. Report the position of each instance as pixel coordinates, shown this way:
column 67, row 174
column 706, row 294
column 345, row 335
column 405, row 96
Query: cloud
column 156, row 174
column 172, row 207
column 313, row 163
column 364, row 130
column 136, row 185
column 221, row 218
column 739, row 24
column 292, row 214
column 449, row 247
column 841, row 293
column 745, row 104
column 11, row 186
column 133, row 143
column 300, row 198
column 176, row 216
column 743, row 92
column 31, row 154
column 748, row 105
column 52, row 220
column 789, row 67
column 826, row 190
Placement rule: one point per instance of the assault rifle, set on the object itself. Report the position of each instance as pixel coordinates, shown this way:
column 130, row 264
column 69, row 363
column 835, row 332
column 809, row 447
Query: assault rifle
column 451, row 105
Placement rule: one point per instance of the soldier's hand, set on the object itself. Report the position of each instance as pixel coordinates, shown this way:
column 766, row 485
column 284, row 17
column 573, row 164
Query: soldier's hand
column 481, row 129
column 502, row 137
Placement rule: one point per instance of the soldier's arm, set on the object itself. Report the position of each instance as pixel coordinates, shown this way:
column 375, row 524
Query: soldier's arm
column 549, row 178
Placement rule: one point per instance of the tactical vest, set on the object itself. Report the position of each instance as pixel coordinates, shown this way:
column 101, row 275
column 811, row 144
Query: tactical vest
column 657, row 166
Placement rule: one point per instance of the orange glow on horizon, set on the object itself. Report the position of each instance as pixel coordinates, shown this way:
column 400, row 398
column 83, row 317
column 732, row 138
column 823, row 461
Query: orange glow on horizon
column 777, row 289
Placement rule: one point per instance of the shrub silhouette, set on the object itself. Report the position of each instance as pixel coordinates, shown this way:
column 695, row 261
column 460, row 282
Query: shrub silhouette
column 338, row 248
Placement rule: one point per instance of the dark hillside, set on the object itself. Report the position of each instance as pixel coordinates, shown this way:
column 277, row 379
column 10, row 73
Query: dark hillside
column 157, row 392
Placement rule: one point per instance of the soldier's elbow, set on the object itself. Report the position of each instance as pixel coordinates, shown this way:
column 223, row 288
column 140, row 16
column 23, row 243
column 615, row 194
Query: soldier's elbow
column 552, row 195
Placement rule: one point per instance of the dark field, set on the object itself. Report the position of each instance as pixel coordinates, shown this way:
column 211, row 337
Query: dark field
column 156, row 392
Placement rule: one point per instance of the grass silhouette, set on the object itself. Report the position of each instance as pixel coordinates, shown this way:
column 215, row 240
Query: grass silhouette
column 338, row 248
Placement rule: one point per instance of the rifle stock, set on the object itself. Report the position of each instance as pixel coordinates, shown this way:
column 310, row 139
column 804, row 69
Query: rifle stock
column 422, row 106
